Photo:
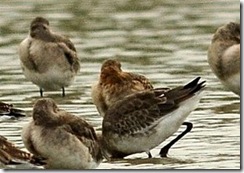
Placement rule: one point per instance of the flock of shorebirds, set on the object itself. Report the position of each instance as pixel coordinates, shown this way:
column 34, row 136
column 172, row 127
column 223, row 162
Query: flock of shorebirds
column 136, row 116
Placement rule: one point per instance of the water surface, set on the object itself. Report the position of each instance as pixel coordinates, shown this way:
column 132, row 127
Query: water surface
column 163, row 39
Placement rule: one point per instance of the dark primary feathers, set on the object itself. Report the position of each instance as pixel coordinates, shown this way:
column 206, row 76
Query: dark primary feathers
column 142, row 110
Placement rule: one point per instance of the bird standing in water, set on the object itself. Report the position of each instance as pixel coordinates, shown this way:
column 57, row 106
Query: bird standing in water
column 125, row 100
column 143, row 120
column 48, row 60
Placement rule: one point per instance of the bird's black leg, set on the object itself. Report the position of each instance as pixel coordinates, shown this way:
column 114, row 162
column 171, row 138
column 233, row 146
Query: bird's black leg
column 165, row 149
column 149, row 154
column 41, row 92
column 63, row 92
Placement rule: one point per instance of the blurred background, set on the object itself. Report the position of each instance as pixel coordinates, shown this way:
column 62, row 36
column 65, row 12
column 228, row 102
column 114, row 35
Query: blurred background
column 166, row 40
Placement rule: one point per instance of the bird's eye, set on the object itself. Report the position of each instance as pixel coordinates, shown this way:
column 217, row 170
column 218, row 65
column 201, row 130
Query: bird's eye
column 55, row 108
column 44, row 27
column 38, row 26
column 33, row 27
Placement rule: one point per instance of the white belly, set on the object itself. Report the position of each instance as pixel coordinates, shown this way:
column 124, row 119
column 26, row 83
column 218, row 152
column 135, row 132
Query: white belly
column 233, row 83
column 166, row 127
column 62, row 150
column 53, row 79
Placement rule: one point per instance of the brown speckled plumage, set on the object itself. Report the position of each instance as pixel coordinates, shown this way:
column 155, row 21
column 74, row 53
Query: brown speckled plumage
column 10, row 154
column 137, row 116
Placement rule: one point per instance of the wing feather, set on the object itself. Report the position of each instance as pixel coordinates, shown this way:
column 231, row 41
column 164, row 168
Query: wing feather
column 146, row 108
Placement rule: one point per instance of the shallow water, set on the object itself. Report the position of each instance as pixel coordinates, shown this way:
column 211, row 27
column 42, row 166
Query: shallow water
column 163, row 39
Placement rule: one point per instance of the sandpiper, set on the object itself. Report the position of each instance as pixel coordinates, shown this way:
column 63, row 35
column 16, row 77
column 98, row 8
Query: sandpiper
column 11, row 155
column 114, row 84
column 224, row 56
column 143, row 120
column 65, row 140
column 48, row 60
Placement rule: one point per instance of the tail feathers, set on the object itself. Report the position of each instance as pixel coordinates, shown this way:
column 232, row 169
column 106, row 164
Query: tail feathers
column 194, row 86
column 182, row 93
column 192, row 83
